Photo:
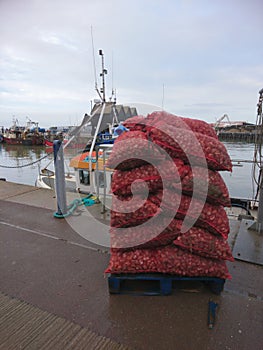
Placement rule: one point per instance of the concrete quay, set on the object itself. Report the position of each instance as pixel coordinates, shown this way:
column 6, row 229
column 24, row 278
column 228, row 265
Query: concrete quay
column 54, row 295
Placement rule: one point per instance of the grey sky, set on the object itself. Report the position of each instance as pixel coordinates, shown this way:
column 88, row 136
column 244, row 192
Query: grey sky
column 207, row 54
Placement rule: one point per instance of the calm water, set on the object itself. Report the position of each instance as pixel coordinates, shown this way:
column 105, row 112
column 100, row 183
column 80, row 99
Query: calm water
column 239, row 182
column 16, row 156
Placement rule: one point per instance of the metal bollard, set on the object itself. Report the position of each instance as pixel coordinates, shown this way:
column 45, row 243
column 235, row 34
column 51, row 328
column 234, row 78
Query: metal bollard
column 60, row 178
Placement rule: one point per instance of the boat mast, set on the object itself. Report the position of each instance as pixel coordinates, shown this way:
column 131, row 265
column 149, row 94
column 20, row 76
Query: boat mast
column 103, row 99
column 94, row 66
column 102, row 75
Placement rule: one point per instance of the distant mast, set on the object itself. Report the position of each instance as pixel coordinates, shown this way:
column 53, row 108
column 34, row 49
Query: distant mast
column 102, row 74
column 101, row 92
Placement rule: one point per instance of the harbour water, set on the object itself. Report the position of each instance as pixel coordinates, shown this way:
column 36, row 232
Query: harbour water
column 239, row 182
column 13, row 159
column 20, row 164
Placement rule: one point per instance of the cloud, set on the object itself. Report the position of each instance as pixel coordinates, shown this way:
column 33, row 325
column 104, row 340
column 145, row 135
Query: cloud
column 206, row 54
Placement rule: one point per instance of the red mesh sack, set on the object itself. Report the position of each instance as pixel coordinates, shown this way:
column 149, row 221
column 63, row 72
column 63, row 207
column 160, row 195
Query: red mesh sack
column 131, row 210
column 168, row 259
column 122, row 180
column 131, row 135
column 200, row 126
column 136, row 123
column 134, row 151
column 195, row 125
column 201, row 242
column 156, row 233
column 210, row 217
column 182, row 143
column 217, row 192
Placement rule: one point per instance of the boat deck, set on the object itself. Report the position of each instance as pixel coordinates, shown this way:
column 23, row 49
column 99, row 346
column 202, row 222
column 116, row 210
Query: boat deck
column 48, row 268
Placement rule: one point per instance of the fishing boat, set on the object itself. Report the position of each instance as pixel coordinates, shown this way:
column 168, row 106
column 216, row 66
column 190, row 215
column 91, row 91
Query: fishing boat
column 88, row 168
column 30, row 135
column 46, row 179
column 78, row 145
column 91, row 174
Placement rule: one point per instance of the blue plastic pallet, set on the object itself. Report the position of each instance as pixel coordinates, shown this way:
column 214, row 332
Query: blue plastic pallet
column 156, row 284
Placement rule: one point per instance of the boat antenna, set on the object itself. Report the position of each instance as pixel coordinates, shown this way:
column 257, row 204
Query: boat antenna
column 94, row 64
column 115, row 94
column 113, row 97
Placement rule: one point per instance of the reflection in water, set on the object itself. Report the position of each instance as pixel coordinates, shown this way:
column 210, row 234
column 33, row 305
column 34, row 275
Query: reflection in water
column 16, row 156
column 15, row 151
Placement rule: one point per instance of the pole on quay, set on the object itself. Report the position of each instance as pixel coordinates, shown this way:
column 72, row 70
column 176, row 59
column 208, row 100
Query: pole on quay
column 60, row 178
column 258, row 224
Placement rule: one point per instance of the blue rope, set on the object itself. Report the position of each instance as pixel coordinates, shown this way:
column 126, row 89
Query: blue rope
column 87, row 201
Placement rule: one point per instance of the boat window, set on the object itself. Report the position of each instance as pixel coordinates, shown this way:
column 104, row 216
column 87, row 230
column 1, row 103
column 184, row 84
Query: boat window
column 99, row 179
column 84, row 177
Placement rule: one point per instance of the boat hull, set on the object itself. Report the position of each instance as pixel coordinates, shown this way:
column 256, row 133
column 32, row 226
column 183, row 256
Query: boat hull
column 13, row 141
column 71, row 145
column 24, row 142
column 48, row 143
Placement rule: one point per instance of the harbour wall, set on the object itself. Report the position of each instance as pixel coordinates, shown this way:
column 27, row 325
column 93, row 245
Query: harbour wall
column 240, row 137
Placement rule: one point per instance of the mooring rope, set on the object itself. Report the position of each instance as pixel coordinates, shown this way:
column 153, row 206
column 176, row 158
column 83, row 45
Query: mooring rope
column 24, row 165
column 87, row 201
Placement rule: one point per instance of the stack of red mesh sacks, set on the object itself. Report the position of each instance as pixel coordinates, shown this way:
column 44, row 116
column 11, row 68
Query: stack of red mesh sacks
column 180, row 226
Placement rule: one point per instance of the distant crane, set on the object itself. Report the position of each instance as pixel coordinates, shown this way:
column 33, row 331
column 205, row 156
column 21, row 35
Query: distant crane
column 219, row 120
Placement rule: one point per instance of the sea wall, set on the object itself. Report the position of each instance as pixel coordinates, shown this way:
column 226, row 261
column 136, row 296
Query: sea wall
column 239, row 136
